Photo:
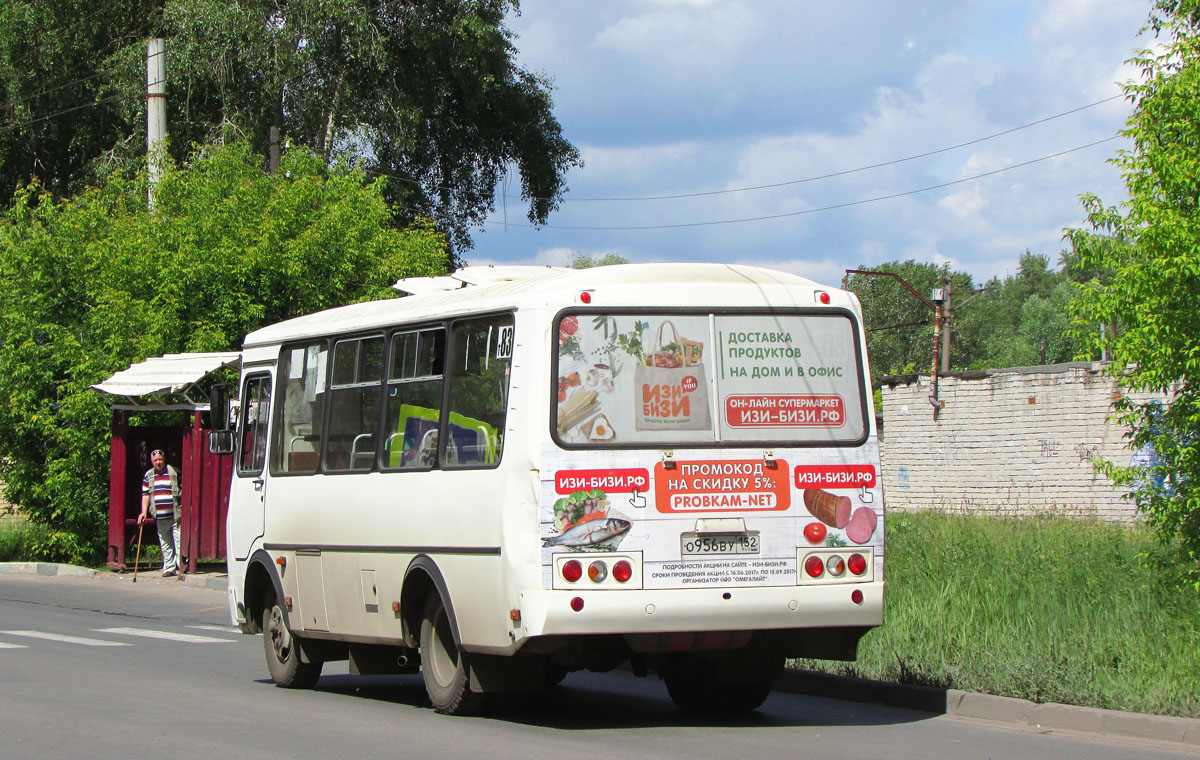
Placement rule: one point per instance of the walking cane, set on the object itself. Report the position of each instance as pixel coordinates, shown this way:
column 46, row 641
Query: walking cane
column 139, row 553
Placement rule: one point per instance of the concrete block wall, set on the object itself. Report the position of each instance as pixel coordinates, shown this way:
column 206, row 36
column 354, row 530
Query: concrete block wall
column 1015, row 442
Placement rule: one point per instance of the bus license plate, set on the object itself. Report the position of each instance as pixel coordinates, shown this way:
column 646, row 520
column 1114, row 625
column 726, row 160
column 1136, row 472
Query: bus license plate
column 693, row 545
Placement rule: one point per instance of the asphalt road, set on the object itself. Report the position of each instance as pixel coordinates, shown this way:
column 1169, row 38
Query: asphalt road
column 100, row 667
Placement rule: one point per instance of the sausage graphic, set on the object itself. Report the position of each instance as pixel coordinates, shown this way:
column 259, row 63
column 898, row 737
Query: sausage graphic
column 829, row 508
column 862, row 525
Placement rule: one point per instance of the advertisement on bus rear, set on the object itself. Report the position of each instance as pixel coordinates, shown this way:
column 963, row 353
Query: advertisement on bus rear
column 709, row 449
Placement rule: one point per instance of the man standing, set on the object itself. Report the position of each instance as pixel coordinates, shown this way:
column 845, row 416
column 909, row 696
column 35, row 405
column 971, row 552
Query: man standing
column 160, row 487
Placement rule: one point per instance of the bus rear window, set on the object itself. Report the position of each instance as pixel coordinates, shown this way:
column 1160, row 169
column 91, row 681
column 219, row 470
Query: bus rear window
column 698, row 378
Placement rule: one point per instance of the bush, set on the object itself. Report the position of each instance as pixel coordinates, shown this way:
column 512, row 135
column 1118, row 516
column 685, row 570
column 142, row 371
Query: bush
column 92, row 284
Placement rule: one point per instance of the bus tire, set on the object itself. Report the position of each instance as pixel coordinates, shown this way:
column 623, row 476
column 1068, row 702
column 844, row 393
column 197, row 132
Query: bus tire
column 444, row 667
column 283, row 651
column 695, row 687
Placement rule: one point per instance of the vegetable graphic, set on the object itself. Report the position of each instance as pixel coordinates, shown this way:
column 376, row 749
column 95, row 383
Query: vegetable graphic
column 815, row 532
column 579, row 507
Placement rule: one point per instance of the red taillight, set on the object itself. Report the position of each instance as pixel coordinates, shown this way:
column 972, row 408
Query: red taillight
column 577, row 603
column 622, row 571
column 857, row 564
column 814, row 566
column 823, row 297
column 597, row 571
column 585, row 297
column 856, row 596
column 572, row 570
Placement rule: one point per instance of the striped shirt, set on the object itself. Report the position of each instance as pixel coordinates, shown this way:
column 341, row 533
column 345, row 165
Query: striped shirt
column 164, row 500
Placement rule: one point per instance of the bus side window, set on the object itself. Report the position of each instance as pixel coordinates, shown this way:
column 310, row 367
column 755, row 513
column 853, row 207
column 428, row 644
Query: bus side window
column 296, row 442
column 354, row 404
column 414, row 399
column 479, row 376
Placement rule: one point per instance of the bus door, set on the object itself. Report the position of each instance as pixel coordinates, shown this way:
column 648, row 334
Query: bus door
column 248, row 491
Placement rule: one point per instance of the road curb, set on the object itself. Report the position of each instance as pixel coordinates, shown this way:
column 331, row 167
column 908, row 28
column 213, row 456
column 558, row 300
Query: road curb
column 217, row 581
column 43, row 568
column 967, row 704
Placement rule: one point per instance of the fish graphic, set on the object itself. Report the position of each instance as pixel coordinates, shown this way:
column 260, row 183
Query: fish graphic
column 590, row 533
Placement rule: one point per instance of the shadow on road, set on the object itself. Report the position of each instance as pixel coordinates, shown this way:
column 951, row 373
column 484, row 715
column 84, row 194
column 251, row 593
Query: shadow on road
column 618, row 700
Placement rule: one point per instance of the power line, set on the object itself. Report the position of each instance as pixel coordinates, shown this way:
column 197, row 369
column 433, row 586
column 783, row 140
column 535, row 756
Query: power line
column 848, row 204
column 39, row 93
column 814, row 178
column 14, row 127
column 853, row 171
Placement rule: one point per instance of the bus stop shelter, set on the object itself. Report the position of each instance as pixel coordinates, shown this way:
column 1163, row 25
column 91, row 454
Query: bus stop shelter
column 167, row 383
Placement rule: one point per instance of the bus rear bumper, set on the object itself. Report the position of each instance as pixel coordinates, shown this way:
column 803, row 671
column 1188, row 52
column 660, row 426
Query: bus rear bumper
column 550, row 613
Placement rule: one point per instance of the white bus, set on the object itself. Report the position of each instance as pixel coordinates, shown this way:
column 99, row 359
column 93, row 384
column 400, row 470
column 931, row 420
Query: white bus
column 518, row 472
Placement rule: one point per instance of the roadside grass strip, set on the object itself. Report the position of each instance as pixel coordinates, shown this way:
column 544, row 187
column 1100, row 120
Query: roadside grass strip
column 187, row 638
column 1042, row 609
column 62, row 638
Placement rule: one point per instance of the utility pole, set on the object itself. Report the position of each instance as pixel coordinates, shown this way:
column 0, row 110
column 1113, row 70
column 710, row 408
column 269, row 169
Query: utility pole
column 946, row 329
column 939, row 297
column 156, row 112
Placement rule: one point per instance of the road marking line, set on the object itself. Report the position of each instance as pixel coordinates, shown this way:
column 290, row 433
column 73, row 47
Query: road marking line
column 12, row 646
column 67, row 639
column 189, row 638
column 221, row 628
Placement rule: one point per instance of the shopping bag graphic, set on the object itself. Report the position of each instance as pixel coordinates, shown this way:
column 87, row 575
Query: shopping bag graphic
column 670, row 389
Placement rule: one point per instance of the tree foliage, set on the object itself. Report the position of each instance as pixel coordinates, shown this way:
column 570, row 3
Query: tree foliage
column 92, row 284
column 583, row 261
column 1152, row 254
column 426, row 93
column 1020, row 320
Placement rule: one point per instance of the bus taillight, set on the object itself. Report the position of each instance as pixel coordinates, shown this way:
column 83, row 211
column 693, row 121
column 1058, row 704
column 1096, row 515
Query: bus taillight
column 857, row 564
column 572, row 570
column 622, row 571
column 814, row 566
column 597, row 571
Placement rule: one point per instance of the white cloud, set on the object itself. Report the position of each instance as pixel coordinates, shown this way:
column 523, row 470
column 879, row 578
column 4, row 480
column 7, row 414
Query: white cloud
column 673, row 97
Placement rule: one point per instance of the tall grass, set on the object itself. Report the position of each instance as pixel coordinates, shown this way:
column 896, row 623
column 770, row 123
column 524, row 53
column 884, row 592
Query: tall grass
column 1046, row 609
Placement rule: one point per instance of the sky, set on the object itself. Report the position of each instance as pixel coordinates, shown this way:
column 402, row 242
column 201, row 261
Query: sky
column 740, row 109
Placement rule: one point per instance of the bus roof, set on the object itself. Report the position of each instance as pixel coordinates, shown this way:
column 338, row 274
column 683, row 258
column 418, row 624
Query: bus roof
column 476, row 289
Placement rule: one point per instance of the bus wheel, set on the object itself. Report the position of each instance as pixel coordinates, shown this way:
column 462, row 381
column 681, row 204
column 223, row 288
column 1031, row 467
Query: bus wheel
column 445, row 668
column 695, row 687
column 283, row 653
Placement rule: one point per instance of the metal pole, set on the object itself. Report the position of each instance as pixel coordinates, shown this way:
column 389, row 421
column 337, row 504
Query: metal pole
column 946, row 330
column 937, row 341
column 156, row 112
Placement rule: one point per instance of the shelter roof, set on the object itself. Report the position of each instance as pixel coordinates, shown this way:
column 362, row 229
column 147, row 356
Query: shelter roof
column 165, row 382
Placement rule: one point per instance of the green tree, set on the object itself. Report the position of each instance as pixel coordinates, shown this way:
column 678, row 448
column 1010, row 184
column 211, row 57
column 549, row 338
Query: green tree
column 899, row 326
column 587, row 262
column 1153, row 253
column 91, row 284
column 426, row 93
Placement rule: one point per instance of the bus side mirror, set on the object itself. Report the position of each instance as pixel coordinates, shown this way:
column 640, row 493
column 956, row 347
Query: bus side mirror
column 218, row 406
column 220, row 442
column 220, row 438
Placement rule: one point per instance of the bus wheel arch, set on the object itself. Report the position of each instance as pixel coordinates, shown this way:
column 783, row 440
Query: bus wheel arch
column 422, row 579
column 262, row 583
